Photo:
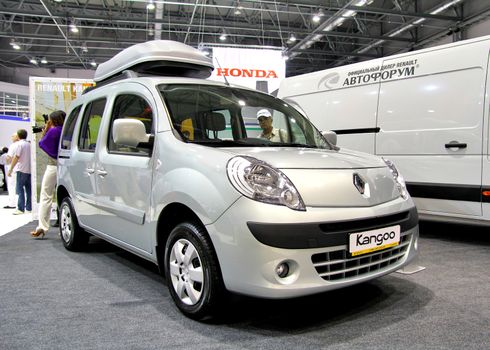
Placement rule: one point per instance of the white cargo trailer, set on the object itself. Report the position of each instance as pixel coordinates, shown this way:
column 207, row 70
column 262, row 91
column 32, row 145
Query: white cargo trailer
column 427, row 110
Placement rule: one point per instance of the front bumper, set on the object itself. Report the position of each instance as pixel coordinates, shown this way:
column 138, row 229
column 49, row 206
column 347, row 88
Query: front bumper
column 317, row 261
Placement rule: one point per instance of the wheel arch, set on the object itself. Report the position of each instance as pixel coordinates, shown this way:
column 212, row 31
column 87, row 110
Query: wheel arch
column 61, row 193
column 172, row 215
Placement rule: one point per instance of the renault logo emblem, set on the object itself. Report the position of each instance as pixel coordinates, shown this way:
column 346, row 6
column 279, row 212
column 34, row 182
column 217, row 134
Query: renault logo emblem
column 361, row 185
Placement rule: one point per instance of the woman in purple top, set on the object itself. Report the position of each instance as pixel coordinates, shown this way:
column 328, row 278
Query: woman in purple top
column 49, row 144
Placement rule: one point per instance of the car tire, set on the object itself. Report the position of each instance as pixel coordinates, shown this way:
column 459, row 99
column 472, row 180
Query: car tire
column 192, row 271
column 74, row 238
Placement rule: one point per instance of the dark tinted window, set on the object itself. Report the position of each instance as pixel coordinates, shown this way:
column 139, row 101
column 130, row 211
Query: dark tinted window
column 69, row 127
column 90, row 125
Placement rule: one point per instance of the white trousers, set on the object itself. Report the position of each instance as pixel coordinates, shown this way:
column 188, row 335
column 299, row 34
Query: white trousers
column 46, row 197
column 11, row 187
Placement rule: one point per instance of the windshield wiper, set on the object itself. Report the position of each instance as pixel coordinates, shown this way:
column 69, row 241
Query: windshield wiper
column 292, row 144
column 249, row 143
column 221, row 143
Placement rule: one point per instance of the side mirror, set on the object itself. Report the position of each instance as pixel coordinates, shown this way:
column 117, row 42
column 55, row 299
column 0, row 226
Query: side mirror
column 129, row 132
column 330, row 136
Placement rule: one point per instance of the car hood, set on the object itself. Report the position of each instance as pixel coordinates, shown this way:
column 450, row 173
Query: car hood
column 326, row 178
column 310, row 158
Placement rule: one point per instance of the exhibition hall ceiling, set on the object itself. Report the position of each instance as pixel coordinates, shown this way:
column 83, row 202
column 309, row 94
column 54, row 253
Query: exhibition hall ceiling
column 312, row 35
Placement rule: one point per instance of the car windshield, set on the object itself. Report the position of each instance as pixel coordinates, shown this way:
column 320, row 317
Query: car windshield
column 223, row 116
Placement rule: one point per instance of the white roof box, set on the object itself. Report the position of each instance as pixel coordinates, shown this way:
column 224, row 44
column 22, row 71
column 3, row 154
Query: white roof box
column 157, row 57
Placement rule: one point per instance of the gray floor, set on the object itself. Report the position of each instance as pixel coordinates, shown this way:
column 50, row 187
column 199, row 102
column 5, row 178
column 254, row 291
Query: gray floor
column 108, row 299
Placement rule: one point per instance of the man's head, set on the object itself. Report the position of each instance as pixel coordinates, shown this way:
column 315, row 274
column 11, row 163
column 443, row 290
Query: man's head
column 14, row 137
column 22, row 134
column 265, row 119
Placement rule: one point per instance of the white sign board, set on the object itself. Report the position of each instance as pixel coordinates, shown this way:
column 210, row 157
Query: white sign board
column 261, row 70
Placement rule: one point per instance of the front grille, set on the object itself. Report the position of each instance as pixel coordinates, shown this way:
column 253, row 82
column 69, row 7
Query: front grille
column 337, row 265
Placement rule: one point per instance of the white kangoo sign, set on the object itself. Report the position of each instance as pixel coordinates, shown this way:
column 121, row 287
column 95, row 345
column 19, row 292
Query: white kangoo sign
column 373, row 240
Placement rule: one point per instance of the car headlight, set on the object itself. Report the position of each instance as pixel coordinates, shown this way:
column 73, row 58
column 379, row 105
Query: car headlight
column 260, row 181
column 399, row 180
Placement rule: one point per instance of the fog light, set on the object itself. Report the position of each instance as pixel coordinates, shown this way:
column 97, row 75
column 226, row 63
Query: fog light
column 282, row 270
column 416, row 244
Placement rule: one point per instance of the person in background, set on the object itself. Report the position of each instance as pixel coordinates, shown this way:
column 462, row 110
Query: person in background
column 268, row 131
column 3, row 163
column 49, row 144
column 11, row 180
column 22, row 160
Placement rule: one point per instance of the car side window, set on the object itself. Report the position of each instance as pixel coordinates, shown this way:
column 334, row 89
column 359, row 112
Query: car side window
column 69, row 128
column 90, row 125
column 130, row 106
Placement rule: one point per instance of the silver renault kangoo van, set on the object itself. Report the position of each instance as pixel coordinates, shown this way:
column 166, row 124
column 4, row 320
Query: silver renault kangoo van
column 224, row 188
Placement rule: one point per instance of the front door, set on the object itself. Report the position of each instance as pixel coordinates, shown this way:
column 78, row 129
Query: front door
column 124, row 174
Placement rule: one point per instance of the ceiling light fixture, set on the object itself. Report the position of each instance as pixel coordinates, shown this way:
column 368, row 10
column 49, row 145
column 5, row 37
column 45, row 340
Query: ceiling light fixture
column 364, row 2
column 150, row 6
column 44, row 60
column 33, row 60
column 93, row 63
column 238, row 8
column 292, row 38
column 317, row 16
column 14, row 44
column 84, row 47
column 73, row 27
column 345, row 14
column 223, row 36
column 204, row 50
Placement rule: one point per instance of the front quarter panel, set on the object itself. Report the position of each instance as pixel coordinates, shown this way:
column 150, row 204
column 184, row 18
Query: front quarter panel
column 192, row 175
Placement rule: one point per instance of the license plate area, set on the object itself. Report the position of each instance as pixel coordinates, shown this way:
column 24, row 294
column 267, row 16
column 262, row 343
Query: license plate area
column 373, row 240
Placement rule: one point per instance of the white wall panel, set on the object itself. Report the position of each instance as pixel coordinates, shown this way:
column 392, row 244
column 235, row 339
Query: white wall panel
column 21, row 75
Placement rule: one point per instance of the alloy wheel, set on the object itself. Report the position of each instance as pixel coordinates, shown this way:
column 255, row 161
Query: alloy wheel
column 186, row 272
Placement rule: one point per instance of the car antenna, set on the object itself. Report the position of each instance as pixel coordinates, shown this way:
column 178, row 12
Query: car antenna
column 224, row 76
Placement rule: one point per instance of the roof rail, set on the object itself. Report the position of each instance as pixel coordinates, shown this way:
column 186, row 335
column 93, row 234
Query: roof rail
column 125, row 74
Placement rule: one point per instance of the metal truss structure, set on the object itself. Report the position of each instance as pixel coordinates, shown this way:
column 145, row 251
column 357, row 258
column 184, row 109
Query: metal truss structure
column 84, row 33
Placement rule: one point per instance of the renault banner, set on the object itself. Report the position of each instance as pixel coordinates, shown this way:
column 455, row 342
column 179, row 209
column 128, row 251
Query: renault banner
column 47, row 95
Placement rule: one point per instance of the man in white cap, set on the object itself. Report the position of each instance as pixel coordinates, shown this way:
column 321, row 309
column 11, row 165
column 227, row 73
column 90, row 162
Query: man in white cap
column 268, row 132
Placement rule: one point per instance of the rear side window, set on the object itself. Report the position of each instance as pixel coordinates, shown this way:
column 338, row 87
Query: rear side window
column 69, row 127
column 131, row 107
column 90, row 125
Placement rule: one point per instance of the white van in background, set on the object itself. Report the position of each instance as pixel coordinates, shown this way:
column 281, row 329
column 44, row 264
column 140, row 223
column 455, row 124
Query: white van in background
column 426, row 110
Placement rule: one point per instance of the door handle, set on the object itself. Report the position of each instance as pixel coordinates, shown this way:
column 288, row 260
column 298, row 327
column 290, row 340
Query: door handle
column 455, row 144
column 90, row 171
column 101, row 172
